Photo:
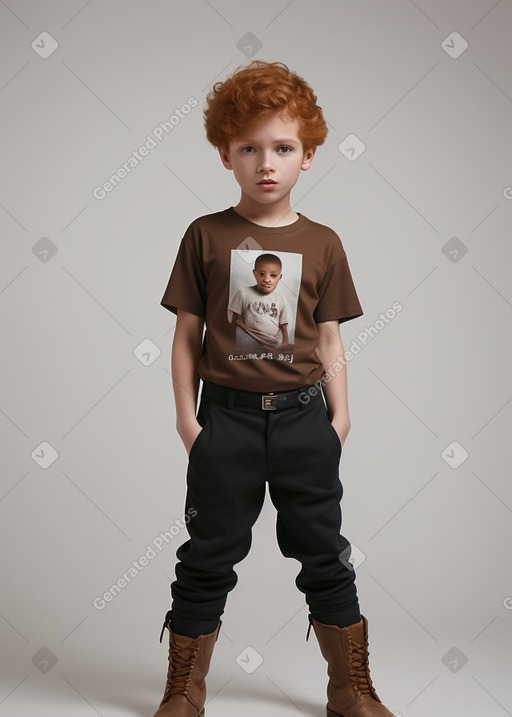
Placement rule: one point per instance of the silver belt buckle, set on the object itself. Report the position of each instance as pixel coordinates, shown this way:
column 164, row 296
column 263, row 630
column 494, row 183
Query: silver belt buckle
column 269, row 403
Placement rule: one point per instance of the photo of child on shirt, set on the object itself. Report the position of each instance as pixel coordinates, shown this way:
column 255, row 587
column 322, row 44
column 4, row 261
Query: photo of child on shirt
column 260, row 314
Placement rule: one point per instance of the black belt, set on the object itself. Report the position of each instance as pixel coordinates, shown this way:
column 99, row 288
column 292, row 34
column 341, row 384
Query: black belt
column 273, row 401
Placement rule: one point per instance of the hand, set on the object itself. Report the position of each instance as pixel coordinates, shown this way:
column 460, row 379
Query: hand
column 342, row 428
column 241, row 325
column 188, row 434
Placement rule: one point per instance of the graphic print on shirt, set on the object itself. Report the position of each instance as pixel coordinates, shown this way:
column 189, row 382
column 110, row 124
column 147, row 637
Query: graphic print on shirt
column 263, row 296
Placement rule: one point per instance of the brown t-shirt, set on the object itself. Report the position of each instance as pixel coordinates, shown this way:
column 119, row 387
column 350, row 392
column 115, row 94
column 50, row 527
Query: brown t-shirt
column 261, row 318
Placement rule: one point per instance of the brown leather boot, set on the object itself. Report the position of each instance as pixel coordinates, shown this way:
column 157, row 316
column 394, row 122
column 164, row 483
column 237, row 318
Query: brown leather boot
column 189, row 662
column 350, row 691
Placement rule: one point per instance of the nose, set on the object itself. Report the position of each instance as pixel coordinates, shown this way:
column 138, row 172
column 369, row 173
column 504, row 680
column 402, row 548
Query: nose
column 265, row 164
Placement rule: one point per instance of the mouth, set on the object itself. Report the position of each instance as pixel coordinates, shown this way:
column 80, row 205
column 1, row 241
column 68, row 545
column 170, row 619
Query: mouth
column 266, row 181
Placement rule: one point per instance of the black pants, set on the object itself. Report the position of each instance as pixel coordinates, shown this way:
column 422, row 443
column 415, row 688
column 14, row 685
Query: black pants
column 297, row 451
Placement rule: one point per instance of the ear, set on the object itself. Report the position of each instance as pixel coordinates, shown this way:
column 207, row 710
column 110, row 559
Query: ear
column 224, row 157
column 308, row 158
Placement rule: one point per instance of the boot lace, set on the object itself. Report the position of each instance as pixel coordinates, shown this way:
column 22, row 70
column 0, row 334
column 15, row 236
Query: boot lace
column 181, row 666
column 359, row 669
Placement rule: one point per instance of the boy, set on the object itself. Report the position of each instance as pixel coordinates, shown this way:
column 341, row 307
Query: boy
column 261, row 418
column 259, row 312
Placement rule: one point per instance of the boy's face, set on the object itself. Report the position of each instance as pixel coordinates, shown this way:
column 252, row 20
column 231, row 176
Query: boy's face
column 267, row 275
column 267, row 159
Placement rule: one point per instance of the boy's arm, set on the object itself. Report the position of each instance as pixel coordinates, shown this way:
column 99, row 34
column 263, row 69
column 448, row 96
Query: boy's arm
column 185, row 355
column 330, row 348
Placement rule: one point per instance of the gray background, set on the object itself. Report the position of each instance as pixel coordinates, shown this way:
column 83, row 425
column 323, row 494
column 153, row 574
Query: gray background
column 85, row 363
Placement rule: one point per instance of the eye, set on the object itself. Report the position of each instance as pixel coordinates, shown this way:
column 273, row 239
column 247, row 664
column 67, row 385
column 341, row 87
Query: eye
column 248, row 149
column 285, row 150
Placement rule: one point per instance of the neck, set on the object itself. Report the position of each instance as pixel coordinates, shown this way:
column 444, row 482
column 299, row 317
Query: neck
column 279, row 214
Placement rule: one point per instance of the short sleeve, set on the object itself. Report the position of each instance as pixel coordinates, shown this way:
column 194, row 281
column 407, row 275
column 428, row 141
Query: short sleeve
column 186, row 286
column 237, row 303
column 284, row 317
column 338, row 300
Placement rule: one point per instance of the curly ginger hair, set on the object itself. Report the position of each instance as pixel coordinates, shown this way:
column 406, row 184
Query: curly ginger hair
column 257, row 91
